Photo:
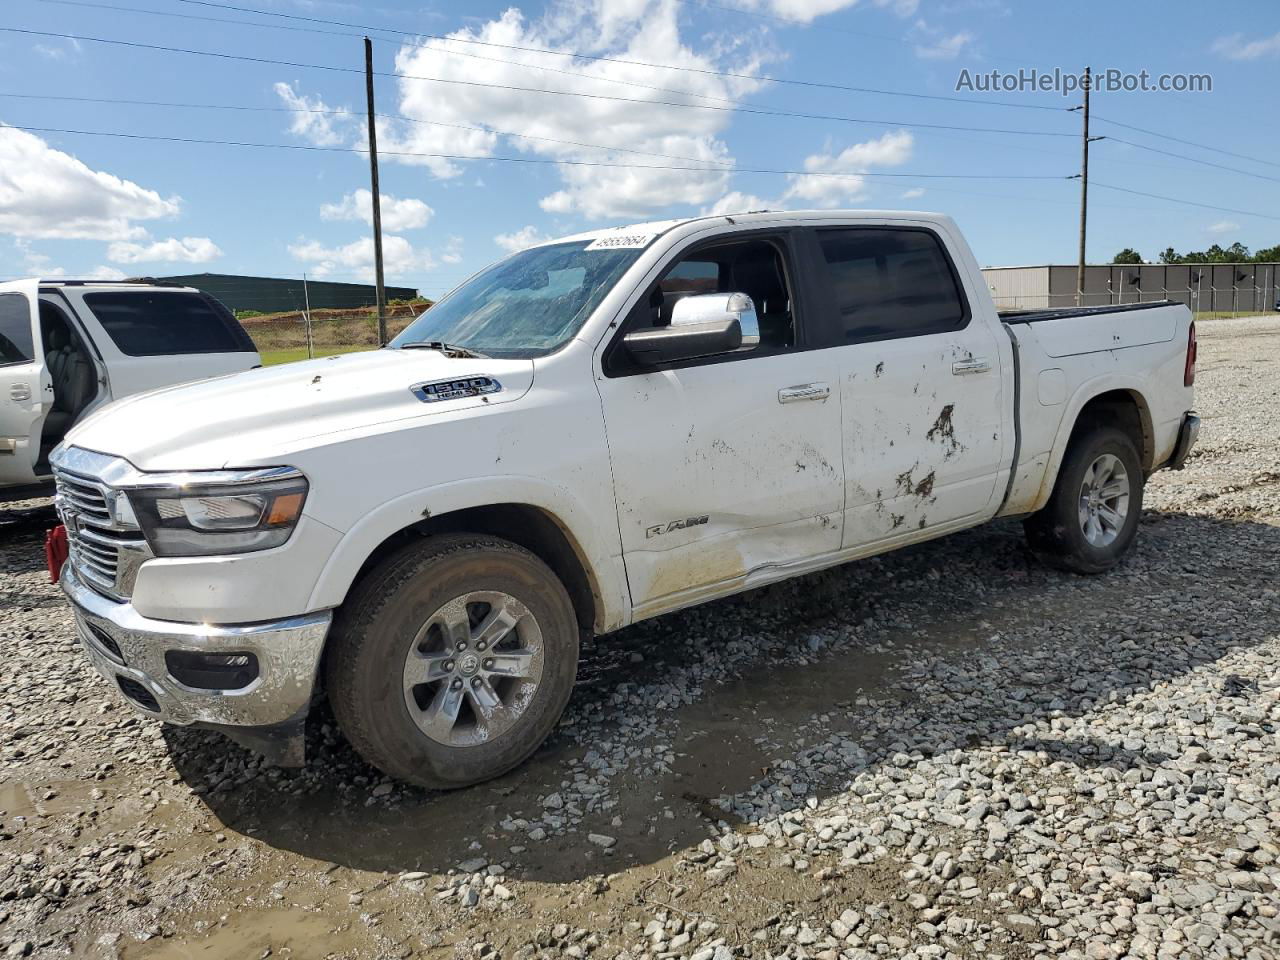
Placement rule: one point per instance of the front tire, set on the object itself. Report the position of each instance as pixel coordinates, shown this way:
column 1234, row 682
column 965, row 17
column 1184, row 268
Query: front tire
column 1092, row 516
column 453, row 660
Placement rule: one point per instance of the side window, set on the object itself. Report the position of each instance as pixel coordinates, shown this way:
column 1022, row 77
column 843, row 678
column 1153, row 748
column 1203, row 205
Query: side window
column 754, row 267
column 16, row 345
column 687, row 278
column 151, row 324
column 891, row 283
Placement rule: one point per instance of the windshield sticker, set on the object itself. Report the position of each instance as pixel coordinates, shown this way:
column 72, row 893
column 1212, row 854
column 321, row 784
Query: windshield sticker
column 621, row 241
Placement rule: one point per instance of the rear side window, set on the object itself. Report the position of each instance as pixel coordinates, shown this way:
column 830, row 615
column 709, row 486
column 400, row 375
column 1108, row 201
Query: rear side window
column 892, row 283
column 15, row 329
column 152, row 324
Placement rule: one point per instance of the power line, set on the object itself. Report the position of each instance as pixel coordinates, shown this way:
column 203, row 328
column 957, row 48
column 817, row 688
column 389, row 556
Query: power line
column 741, row 108
column 1189, row 143
column 352, row 113
column 423, row 46
column 532, row 160
column 705, row 71
column 1189, row 203
column 1183, row 156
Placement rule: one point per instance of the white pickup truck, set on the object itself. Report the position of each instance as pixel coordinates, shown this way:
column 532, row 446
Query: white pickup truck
column 590, row 432
column 68, row 347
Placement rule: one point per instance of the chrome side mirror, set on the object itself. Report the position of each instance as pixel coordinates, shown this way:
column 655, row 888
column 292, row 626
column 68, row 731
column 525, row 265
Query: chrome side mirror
column 717, row 308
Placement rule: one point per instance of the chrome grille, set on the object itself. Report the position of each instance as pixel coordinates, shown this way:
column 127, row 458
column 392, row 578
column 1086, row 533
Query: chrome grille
column 104, row 551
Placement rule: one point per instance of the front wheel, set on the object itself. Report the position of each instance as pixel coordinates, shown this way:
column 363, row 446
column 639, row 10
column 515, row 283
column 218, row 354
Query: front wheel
column 452, row 660
column 1092, row 516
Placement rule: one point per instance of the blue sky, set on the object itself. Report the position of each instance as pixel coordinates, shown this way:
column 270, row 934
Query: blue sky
column 80, row 205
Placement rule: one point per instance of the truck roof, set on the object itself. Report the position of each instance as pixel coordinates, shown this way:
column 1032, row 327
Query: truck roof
column 655, row 228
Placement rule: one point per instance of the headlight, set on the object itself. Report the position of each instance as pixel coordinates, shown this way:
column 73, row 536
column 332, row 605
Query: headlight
column 222, row 512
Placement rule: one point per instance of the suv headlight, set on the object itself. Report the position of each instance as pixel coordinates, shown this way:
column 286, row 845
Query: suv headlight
column 219, row 512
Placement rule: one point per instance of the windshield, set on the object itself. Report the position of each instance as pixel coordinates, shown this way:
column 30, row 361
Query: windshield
column 525, row 306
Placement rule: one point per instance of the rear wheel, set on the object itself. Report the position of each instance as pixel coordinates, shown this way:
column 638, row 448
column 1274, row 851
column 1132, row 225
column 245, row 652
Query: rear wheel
column 453, row 660
column 1092, row 516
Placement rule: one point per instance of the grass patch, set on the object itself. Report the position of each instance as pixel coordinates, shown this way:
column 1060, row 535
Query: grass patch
column 292, row 354
column 1228, row 314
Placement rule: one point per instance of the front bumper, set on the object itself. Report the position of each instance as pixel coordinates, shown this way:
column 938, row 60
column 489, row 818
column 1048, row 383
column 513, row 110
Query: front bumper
column 129, row 650
column 1187, row 435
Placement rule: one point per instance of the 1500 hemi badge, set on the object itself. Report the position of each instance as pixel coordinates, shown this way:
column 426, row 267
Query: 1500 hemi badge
column 661, row 528
column 438, row 390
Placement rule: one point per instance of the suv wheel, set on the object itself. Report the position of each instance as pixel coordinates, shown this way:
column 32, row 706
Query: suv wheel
column 452, row 660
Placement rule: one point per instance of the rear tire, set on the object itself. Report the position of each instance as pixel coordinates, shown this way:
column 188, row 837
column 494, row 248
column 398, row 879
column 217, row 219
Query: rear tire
column 452, row 660
column 1092, row 516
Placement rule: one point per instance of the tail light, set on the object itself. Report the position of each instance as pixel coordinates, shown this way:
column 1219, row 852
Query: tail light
column 1189, row 372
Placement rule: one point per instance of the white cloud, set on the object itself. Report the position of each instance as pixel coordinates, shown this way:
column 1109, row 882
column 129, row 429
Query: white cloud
column 913, row 193
column 321, row 129
column 35, row 264
column 641, row 30
column 943, row 47
column 1221, row 227
column 46, row 193
column 399, row 257
column 452, row 250
column 735, row 202
column 102, row 272
column 806, row 11
column 172, row 250
column 890, row 150
column 1238, row 47
column 67, row 51
column 398, row 213
column 524, row 237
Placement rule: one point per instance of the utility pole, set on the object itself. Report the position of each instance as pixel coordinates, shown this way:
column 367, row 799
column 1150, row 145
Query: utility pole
column 306, row 298
column 1084, row 187
column 377, row 196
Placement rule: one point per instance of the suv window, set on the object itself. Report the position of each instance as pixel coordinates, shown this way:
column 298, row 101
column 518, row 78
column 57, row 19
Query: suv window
column 892, row 283
column 146, row 323
column 16, row 345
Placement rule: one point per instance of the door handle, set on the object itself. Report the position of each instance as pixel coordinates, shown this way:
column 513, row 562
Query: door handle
column 804, row 391
column 963, row 368
column 19, row 391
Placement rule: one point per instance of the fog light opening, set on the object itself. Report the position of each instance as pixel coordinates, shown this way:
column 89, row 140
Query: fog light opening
column 212, row 671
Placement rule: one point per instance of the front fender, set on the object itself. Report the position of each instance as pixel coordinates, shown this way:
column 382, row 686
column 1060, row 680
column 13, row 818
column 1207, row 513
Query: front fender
column 598, row 543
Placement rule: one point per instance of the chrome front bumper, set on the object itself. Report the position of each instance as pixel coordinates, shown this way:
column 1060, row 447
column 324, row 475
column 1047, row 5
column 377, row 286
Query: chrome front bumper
column 129, row 650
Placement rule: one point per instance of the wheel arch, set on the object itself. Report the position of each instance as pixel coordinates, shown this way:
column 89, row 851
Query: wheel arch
column 544, row 521
column 1112, row 401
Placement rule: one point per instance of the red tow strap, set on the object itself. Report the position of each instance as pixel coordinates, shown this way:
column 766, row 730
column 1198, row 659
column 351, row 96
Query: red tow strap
column 55, row 551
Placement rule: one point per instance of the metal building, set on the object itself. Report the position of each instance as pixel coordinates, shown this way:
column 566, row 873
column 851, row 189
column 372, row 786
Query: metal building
column 1240, row 287
column 272, row 295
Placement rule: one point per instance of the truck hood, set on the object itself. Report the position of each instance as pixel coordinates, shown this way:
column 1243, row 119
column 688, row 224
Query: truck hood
column 262, row 415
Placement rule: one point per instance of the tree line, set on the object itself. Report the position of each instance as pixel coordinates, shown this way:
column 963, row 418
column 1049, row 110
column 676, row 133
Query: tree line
column 1236, row 253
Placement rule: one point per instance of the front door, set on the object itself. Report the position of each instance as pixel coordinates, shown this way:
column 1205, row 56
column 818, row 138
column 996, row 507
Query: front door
column 728, row 466
column 23, row 382
column 921, row 384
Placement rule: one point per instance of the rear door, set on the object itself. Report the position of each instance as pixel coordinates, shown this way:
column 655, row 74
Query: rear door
column 25, row 387
column 153, row 337
column 920, row 382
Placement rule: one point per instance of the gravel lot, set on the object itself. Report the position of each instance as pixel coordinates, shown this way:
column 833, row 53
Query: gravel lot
column 949, row 751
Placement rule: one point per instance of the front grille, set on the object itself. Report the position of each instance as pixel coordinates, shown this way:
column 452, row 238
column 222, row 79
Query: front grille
column 103, row 552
